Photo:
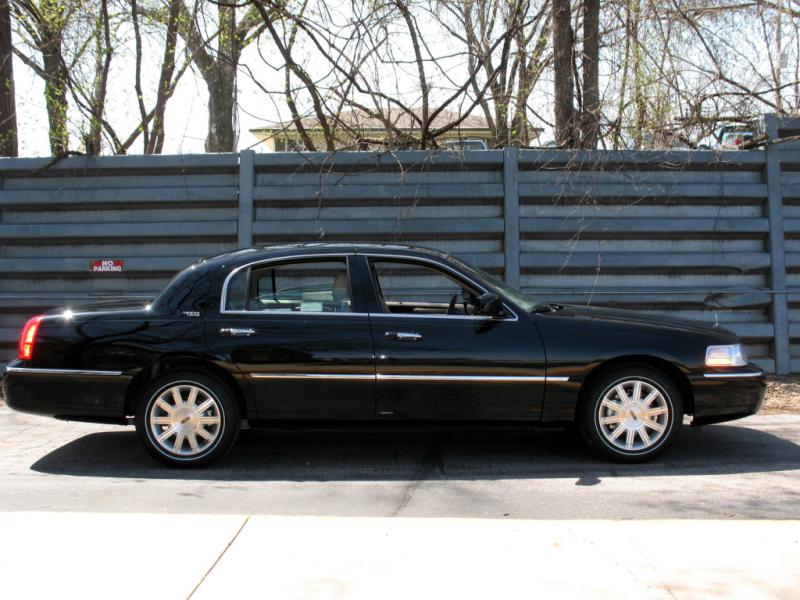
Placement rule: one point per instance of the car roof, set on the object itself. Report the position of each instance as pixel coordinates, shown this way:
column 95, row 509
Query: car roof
column 246, row 255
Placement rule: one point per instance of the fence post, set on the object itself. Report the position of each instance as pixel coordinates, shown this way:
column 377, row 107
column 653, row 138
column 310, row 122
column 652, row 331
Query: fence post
column 246, row 182
column 511, row 241
column 777, row 251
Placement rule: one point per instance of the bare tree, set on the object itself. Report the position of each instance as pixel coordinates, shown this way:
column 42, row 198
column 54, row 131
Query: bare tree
column 566, row 118
column 505, row 103
column 216, row 54
column 8, row 106
column 43, row 26
column 590, row 111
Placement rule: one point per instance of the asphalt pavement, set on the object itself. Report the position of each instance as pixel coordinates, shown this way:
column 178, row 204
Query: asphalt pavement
column 86, row 513
column 748, row 469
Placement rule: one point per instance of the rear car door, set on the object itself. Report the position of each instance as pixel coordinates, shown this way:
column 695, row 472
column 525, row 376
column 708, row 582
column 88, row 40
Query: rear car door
column 435, row 365
column 297, row 330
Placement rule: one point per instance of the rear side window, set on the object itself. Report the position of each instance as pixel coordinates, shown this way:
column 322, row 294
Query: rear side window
column 298, row 286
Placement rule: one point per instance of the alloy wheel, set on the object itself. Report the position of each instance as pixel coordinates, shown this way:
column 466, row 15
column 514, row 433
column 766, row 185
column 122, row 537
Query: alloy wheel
column 633, row 415
column 185, row 419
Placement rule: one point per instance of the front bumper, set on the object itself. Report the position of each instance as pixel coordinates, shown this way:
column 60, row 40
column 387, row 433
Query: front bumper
column 724, row 395
column 70, row 394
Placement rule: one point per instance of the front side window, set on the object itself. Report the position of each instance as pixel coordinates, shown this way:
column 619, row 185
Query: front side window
column 414, row 288
column 298, row 286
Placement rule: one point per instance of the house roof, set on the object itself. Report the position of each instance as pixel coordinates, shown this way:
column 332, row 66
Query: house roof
column 359, row 120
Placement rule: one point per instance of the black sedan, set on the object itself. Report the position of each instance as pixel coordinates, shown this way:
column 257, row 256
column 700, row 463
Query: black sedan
column 357, row 332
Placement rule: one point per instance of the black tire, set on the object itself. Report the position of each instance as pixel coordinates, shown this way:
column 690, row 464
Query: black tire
column 597, row 420
column 220, row 421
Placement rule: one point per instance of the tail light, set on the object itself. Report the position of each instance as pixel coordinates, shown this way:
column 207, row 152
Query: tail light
column 28, row 338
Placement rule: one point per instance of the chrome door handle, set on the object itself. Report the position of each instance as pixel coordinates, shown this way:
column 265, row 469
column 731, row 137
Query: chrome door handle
column 237, row 331
column 405, row 336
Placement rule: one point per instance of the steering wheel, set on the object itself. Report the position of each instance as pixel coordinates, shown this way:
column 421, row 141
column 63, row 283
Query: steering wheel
column 451, row 310
column 468, row 299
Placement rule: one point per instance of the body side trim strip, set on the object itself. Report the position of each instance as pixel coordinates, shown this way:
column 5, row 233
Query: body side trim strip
column 478, row 378
column 352, row 376
column 421, row 377
column 10, row 369
column 732, row 375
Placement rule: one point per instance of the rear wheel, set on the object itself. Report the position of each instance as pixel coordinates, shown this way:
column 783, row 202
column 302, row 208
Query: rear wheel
column 633, row 414
column 188, row 419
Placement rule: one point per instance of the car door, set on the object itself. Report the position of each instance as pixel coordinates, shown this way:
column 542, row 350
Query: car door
column 294, row 327
column 434, row 365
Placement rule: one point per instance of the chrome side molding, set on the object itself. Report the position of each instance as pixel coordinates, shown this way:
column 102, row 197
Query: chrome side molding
column 406, row 377
column 732, row 375
column 10, row 369
column 346, row 376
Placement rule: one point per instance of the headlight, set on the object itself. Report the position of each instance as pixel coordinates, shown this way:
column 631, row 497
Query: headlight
column 725, row 356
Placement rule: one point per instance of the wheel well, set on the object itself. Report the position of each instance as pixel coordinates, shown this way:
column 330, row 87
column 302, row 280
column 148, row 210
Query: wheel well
column 666, row 367
column 140, row 382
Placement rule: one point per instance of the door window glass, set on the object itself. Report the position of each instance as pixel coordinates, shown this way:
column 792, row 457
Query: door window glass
column 301, row 286
column 415, row 288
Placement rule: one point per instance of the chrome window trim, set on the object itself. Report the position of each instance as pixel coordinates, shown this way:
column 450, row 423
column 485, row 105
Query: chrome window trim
column 732, row 375
column 408, row 377
column 294, row 313
column 10, row 369
column 424, row 316
column 344, row 257
column 444, row 265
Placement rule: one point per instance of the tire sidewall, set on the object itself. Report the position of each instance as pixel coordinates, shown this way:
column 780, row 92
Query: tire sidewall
column 590, row 419
column 229, row 416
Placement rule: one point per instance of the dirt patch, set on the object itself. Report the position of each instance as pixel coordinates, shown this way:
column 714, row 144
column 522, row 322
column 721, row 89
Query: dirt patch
column 783, row 396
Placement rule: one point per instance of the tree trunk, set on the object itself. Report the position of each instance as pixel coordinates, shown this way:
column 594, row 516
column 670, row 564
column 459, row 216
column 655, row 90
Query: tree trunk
column 8, row 107
column 221, row 82
column 590, row 116
column 566, row 130
column 103, row 53
column 221, row 111
column 639, row 103
column 55, row 92
column 155, row 143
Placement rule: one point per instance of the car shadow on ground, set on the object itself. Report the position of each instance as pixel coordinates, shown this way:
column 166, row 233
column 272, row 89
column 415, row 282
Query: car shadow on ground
column 456, row 454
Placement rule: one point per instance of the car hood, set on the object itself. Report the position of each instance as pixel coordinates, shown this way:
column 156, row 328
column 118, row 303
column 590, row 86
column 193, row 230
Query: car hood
column 631, row 317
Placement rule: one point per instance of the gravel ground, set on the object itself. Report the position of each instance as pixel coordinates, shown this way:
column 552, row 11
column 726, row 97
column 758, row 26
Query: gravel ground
column 783, row 397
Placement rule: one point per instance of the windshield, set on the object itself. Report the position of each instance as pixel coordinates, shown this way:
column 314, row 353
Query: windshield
column 517, row 297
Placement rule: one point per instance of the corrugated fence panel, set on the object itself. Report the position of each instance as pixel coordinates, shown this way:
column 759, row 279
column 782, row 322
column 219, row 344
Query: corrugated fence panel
column 451, row 202
column 157, row 214
column 790, row 190
column 683, row 232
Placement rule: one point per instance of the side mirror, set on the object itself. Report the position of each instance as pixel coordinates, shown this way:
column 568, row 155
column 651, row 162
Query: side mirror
column 490, row 305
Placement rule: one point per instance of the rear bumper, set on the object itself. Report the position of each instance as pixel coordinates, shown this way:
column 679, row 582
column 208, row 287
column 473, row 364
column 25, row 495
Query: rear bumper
column 71, row 394
column 726, row 395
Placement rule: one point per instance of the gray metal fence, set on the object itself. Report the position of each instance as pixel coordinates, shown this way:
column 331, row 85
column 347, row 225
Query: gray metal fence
column 703, row 234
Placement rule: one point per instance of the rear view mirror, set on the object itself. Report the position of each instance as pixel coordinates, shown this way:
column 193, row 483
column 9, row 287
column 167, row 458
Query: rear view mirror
column 489, row 305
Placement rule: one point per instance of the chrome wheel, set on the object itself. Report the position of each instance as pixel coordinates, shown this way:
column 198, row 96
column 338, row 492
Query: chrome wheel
column 633, row 415
column 185, row 419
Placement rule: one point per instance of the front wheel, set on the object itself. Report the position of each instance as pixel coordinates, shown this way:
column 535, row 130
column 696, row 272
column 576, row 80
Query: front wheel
column 632, row 414
column 188, row 419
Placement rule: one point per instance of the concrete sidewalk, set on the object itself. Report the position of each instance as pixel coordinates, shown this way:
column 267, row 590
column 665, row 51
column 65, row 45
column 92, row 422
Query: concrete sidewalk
column 153, row 556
